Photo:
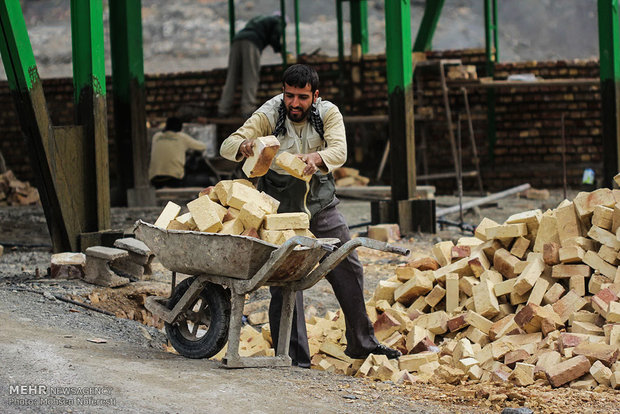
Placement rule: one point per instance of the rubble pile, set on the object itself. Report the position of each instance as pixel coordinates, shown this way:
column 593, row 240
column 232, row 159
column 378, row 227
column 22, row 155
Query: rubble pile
column 531, row 300
column 235, row 207
column 14, row 192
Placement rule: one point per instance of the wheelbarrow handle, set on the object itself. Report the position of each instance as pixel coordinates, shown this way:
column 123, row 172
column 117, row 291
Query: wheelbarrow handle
column 383, row 246
column 339, row 255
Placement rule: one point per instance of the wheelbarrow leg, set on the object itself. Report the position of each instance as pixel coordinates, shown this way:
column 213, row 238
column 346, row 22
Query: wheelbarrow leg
column 232, row 359
column 286, row 321
column 234, row 329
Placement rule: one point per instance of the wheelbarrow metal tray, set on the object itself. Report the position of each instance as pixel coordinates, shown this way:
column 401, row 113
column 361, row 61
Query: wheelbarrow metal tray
column 238, row 257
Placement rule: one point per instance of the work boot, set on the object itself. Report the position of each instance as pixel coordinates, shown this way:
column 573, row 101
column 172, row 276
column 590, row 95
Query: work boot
column 379, row 350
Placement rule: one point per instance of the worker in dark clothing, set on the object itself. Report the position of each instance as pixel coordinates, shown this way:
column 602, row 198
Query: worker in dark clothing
column 244, row 62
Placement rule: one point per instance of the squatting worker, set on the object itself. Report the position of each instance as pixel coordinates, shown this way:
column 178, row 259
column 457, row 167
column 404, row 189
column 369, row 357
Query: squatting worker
column 312, row 129
column 244, row 62
column 167, row 165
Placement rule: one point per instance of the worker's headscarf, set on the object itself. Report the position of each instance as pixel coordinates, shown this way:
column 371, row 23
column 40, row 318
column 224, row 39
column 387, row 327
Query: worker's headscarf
column 313, row 117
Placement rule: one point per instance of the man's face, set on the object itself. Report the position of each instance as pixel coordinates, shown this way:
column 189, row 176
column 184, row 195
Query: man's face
column 298, row 101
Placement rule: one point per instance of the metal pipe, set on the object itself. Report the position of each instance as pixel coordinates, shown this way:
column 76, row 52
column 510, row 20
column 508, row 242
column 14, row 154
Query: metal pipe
column 484, row 200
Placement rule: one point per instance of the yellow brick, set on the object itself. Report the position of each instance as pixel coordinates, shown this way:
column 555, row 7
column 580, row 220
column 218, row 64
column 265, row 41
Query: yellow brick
column 222, row 189
column 271, row 236
column 220, row 210
column 265, row 149
column 251, row 216
column 240, row 194
column 234, row 226
column 286, row 221
column 268, row 203
column 292, row 165
column 205, row 214
column 169, row 213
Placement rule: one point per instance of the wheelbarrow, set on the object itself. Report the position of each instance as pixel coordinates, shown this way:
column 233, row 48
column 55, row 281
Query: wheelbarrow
column 205, row 311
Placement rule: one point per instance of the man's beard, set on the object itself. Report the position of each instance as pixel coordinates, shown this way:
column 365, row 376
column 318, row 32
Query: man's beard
column 297, row 117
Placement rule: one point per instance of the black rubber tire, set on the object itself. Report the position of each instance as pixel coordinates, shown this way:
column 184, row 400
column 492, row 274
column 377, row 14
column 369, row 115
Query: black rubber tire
column 188, row 344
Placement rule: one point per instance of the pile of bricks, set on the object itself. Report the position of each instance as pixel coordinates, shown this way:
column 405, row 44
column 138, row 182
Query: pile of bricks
column 235, row 207
column 14, row 192
column 531, row 300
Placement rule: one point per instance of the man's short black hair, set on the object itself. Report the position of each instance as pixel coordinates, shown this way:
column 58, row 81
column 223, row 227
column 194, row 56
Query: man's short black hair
column 299, row 76
column 173, row 124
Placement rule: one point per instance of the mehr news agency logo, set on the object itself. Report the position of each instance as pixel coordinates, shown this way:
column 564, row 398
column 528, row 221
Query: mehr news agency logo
column 39, row 394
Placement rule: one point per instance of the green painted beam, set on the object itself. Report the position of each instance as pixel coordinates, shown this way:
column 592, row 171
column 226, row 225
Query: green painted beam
column 424, row 38
column 231, row 20
column 283, row 26
column 491, row 37
column 492, row 57
column 339, row 25
column 398, row 45
column 359, row 23
column 129, row 97
column 608, row 35
column 609, row 49
column 400, row 100
column 88, row 50
column 17, row 56
column 297, row 35
column 31, row 108
column 91, row 109
column 126, row 45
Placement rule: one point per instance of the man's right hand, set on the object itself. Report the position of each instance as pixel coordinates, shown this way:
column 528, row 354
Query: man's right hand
column 246, row 149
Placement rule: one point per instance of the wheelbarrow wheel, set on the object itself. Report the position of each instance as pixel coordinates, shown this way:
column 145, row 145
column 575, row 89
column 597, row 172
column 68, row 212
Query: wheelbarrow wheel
column 202, row 330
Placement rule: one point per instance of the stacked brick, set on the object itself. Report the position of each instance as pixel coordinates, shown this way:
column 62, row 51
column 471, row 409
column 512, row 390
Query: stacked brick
column 235, row 207
column 531, row 300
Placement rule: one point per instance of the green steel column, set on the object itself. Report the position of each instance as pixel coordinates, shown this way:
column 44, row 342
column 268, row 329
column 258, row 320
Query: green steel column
column 231, row 19
column 90, row 98
column 609, row 47
column 424, row 38
column 297, row 36
column 400, row 97
column 492, row 54
column 339, row 23
column 129, row 99
column 359, row 24
column 283, row 26
column 25, row 85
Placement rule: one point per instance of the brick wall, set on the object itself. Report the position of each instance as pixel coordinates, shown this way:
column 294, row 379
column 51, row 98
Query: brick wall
column 528, row 147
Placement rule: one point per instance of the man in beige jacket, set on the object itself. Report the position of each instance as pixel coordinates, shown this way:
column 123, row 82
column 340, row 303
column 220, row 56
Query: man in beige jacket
column 312, row 129
column 168, row 149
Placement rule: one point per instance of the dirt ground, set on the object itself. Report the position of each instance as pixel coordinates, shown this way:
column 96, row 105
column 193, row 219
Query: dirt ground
column 49, row 342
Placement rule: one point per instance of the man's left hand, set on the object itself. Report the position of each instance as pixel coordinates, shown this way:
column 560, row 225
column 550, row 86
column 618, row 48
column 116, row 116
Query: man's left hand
column 313, row 162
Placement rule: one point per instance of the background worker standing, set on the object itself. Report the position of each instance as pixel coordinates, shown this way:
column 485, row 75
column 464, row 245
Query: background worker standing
column 244, row 62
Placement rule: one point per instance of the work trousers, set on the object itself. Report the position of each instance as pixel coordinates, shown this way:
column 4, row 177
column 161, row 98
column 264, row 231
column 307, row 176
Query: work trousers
column 244, row 66
column 347, row 280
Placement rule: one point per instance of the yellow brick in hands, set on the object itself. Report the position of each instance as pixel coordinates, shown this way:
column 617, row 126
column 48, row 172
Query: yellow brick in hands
column 292, row 165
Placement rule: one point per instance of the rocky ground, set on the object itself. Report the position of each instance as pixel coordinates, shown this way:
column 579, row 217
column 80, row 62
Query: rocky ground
column 45, row 340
